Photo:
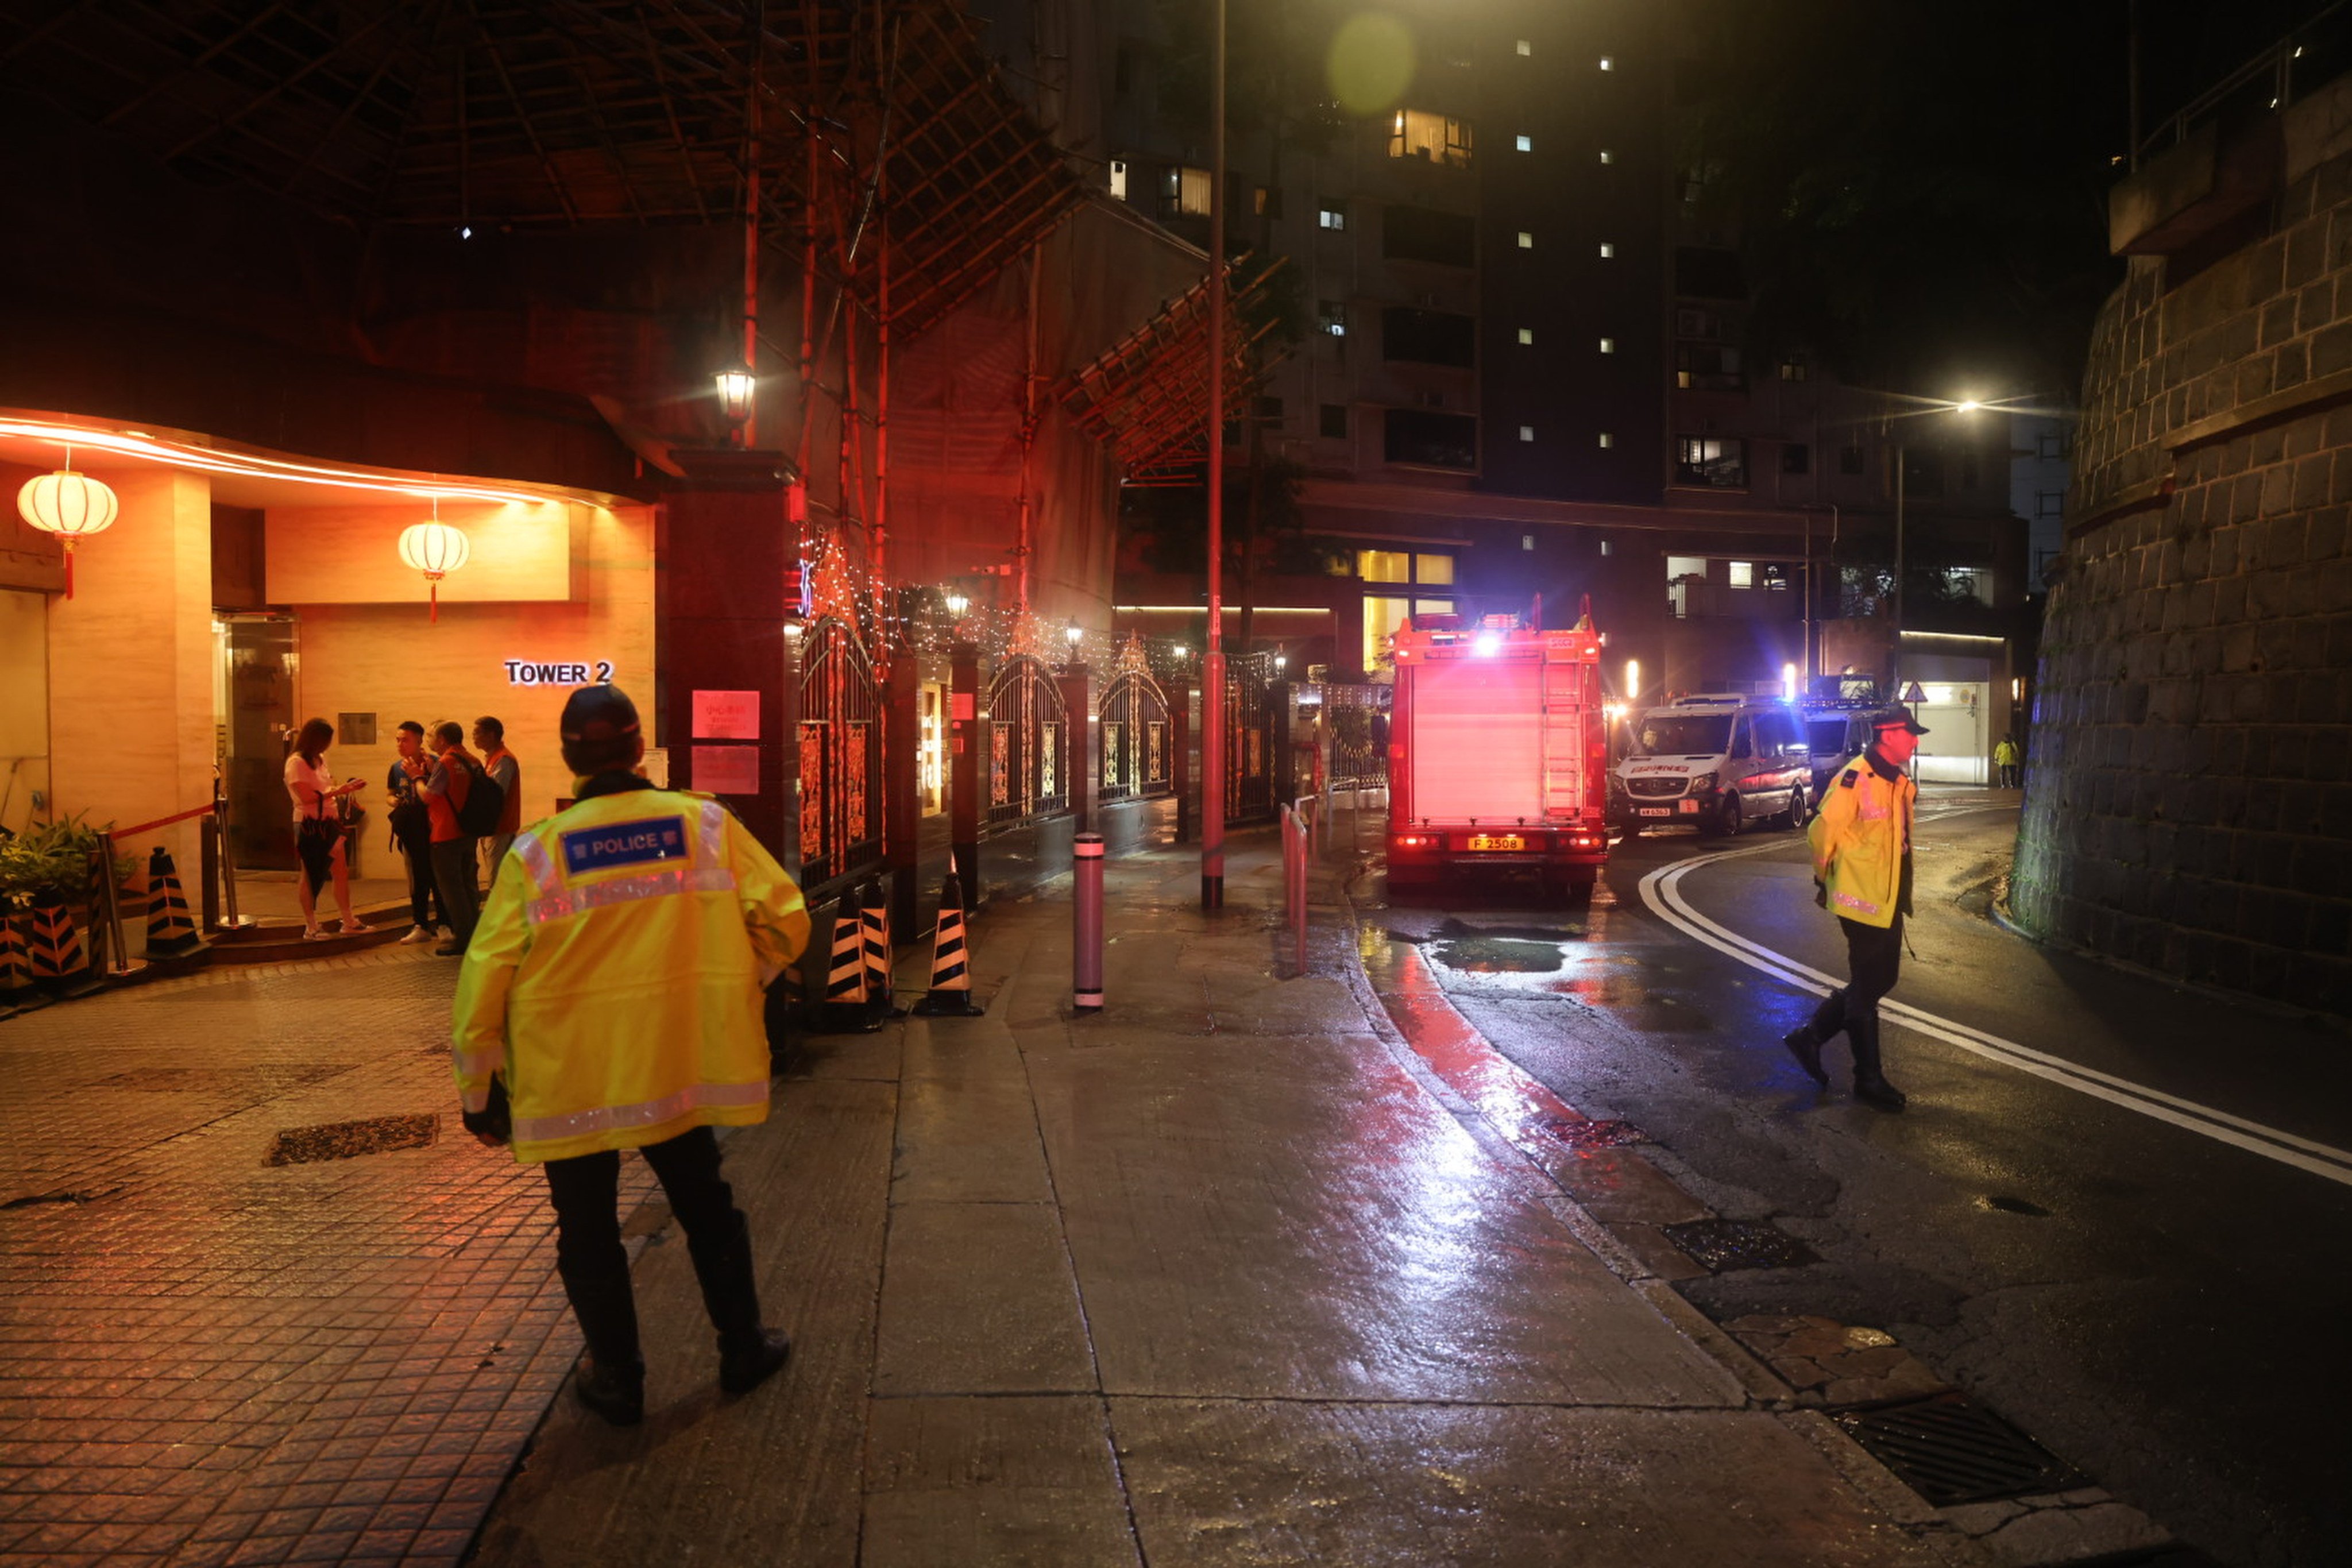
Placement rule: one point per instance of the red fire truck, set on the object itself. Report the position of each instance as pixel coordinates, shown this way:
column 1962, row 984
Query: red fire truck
column 1498, row 752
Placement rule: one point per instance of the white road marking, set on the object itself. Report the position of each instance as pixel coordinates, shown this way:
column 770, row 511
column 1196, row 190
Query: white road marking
column 1661, row 891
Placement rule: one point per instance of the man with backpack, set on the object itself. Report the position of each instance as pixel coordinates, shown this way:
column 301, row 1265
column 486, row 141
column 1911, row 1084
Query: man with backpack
column 505, row 772
column 466, row 804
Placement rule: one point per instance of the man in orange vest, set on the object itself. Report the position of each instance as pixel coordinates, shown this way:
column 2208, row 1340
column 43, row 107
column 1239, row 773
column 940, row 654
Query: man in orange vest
column 1862, row 874
column 610, row 1000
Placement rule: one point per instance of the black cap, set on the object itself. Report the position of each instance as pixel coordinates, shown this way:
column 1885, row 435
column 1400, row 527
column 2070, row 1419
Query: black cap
column 1893, row 719
column 599, row 714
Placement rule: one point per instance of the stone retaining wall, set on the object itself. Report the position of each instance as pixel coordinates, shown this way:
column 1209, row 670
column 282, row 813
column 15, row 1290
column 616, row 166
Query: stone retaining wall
column 2189, row 795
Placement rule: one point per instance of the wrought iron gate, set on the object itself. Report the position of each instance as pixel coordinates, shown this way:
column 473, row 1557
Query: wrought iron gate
column 1138, row 761
column 1028, row 744
column 1249, row 737
column 1356, row 725
column 841, row 756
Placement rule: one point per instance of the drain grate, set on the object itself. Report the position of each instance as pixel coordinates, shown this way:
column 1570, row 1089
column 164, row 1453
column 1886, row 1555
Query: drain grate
column 1721, row 1244
column 1950, row 1451
column 347, row 1139
column 1583, row 1134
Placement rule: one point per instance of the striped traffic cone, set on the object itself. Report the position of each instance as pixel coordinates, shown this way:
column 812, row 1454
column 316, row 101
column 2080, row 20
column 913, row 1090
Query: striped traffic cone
column 53, row 942
column 874, row 931
column 950, row 993
column 171, row 928
column 844, row 1010
column 15, row 963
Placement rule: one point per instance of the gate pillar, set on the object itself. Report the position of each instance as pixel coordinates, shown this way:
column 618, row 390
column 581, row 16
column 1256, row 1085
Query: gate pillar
column 727, row 573
column 902, row 806
column 1085, row 752
column 967, row 748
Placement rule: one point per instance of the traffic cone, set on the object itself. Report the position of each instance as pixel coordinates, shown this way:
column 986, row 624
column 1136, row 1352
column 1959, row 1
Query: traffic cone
column 15, row 963
column 950, row 993
column 54, row 942
column 171, row 927
column 873, row 930
column 844, row 1010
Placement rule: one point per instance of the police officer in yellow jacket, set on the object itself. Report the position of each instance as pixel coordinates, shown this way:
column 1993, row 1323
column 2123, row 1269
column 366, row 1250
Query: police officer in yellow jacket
column 610, row 1000
column 1862, row 873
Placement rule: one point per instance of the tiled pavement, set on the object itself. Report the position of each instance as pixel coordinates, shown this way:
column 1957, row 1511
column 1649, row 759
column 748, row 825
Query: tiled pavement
column 205, row 1359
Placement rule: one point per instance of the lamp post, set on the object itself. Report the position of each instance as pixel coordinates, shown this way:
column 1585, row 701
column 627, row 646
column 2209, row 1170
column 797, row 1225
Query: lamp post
column 1922, row 405
column 1213, row 662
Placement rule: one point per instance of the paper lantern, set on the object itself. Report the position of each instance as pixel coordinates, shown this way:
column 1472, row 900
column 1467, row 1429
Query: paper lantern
column 435, row 549
column 71, row 506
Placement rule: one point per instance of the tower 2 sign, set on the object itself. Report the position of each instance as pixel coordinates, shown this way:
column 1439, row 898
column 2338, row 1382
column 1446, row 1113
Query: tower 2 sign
column 529, row 672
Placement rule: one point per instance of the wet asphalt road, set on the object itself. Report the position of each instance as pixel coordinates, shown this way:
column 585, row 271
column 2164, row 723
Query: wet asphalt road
column 2163, row 1310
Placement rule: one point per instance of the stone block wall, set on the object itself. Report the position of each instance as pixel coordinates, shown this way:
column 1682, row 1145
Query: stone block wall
column 2189, row 795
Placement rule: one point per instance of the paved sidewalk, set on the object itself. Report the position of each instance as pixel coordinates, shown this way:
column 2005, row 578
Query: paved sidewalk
column 1228, row 1275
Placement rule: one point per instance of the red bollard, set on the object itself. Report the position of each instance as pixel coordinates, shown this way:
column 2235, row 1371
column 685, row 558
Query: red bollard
column 1086, row 924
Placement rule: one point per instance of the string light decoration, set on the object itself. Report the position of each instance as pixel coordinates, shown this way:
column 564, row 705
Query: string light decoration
column 435, row 549
column 69, row 505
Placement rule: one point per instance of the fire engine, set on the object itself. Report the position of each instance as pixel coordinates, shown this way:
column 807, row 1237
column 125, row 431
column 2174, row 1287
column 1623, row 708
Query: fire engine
column 1497, row 752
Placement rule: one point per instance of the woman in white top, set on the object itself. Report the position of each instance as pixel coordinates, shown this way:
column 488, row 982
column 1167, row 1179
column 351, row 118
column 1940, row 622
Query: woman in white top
column 318, row 831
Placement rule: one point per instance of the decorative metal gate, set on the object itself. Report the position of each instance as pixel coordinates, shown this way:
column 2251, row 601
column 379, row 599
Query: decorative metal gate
column 1249, row 736
column 1028, row 743
column 841, row 756
column 1356, row 728
column 1137, row 759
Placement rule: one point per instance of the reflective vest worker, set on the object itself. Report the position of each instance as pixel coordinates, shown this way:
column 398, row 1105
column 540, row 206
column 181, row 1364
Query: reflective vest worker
column 1862, row 873
column 610, row 1000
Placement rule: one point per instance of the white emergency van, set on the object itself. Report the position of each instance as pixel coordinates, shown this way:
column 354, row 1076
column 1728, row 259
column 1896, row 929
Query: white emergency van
column 1714, row 762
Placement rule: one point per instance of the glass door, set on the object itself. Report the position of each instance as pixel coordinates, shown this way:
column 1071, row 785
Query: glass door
column 257, row 663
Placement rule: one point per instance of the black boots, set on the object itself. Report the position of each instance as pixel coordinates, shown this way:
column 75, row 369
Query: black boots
column 615, row 1393
column 748, row 1353
column 1870, row 1085
column 1806, row 1047
column 746, row 1362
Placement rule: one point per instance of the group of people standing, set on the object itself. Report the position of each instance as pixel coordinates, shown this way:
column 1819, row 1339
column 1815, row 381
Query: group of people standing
column 442, row 800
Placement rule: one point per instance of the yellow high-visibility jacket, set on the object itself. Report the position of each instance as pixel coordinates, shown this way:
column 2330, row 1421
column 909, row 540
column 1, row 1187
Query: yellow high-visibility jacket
column 613, row 980
column 1860, row 838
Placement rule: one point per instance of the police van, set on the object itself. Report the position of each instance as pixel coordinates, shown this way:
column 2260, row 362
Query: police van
column 1714, row 762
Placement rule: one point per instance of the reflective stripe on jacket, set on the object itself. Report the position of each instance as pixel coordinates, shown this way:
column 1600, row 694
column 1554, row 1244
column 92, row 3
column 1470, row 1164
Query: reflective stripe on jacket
column 613, row 980
column 1859, row 839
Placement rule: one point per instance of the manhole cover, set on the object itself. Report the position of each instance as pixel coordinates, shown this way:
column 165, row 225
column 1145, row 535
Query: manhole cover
column 345, row 1139
column 1584, row 1134
column 1950, row 1451
column 1721, row 1244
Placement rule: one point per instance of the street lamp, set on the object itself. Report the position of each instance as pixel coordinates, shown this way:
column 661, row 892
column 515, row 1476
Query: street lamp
column 735, row 386
column 1213, row 662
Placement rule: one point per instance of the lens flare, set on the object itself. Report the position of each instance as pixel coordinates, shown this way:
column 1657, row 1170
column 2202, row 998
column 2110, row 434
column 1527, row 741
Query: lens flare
column 1371, row 63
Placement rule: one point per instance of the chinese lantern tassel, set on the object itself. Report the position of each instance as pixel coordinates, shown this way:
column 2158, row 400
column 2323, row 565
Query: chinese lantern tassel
column 433, row 591
column 68, row 568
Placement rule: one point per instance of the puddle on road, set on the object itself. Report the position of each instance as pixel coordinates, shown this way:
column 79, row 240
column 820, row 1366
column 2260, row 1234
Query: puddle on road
column 1498, row 955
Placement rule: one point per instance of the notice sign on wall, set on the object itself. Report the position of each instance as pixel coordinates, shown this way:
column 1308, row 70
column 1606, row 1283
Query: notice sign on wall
column 727, row 770
column 726, row 715
column 531, row 672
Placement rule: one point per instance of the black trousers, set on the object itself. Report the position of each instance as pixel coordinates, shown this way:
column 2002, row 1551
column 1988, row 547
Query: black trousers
column 452, row 879
column 594, row 1267
column 1874, row 956
column 424, row 905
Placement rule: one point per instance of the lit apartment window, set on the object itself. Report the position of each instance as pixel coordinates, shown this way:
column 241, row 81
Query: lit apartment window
column 1609, row 345
column 1524, row 47
column 1118, row 179
column 1184, row 192
column 1607, row 156
column 1527, row 541
column 1712, row 462
column 1431, row 138
column 1266, row 201
column 1332, row 215
column 1608, row 63
column 1607, row 548
column 1524, row 143
column 1607, row 250
column 1793, row 368
column 1527, row 240
column 1526, row 432
column 1526, row 334
column 1331, row 316
column 1608, row 439
column 1743, row 573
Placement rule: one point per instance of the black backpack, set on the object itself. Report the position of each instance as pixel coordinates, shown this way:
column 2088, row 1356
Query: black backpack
column 486, row 801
